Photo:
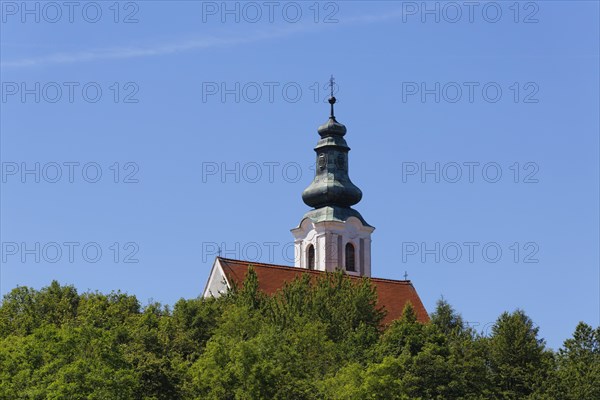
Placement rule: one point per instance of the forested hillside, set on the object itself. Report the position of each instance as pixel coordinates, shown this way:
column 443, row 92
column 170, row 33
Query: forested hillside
column 310, row 341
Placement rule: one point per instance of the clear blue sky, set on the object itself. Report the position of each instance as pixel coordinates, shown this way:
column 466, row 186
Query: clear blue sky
column 172, row 204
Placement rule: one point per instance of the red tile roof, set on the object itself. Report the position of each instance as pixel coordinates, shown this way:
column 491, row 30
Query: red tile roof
column 392, row 294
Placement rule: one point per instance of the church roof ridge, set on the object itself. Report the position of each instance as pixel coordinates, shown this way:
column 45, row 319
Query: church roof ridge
column 289, row 267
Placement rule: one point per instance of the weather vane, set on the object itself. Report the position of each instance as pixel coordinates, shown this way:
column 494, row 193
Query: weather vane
column 332, row 98
column 405, row 275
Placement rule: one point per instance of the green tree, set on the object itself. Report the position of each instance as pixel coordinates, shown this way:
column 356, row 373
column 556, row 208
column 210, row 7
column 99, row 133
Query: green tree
column 467, row 354
column 518, row 360
column 18, row 313
column 24, row 309
column 447, row 319
column 346, row 307
column 578, row 366
column 192, row 324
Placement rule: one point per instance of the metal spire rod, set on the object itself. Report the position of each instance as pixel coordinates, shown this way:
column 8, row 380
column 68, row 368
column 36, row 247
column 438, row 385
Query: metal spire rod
column 332, row 98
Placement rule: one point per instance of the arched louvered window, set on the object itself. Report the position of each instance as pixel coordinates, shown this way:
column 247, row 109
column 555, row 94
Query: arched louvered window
column 350, row 259
column 310, row 255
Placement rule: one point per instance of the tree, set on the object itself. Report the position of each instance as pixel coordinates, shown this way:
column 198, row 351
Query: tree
column 193, row 322
column 518, row 360
column 19, row 314
column 578, row 362
column 447, row 319
column 467, row 355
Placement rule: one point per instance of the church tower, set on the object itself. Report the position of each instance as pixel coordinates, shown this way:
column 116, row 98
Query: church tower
column 333, row 235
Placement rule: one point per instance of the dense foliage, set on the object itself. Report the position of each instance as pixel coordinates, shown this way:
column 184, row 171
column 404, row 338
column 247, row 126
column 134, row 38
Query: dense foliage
column 313, row 340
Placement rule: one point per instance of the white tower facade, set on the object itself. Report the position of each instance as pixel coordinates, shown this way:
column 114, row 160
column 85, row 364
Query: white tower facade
column 331, row 245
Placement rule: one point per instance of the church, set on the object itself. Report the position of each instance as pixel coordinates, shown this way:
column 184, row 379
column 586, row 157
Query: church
column 331, row 236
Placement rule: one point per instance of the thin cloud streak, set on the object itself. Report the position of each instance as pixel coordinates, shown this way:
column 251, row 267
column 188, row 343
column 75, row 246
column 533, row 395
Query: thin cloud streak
column 179, row 47
column 136, row 52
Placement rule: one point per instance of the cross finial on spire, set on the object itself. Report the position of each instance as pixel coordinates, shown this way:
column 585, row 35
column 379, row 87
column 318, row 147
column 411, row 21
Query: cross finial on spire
column 331, row 83
column 405, row 275
column 332, row 99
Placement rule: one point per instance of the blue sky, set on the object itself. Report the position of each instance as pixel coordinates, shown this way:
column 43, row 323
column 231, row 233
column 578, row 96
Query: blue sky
column 201, row 118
